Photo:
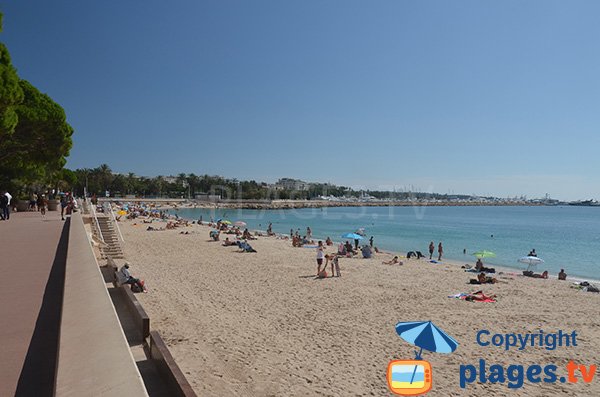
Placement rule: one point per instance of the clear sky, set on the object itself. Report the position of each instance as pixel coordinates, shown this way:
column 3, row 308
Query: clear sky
column 483, row 97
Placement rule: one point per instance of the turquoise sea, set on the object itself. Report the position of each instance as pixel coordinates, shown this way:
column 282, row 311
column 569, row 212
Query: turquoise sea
column 564, row 236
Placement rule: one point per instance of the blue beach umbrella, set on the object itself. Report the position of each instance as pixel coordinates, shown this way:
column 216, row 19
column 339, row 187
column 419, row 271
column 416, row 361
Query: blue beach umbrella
column 353, row 236
column 426, row 335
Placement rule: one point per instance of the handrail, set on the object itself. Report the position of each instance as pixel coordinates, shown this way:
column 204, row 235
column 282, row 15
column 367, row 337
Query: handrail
column 115, row 221
column 97, row 223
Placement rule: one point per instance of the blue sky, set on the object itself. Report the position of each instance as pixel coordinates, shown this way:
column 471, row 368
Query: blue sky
column 481, row 97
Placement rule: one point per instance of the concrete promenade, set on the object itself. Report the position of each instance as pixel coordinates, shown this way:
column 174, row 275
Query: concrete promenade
column 49, row 346
column 32, row 260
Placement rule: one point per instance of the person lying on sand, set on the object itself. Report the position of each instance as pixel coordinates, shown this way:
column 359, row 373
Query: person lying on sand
column 392, row 261
column 154, row 229
column 479, row 296
column 483, row 279
column 529, row 273
column 228, row 242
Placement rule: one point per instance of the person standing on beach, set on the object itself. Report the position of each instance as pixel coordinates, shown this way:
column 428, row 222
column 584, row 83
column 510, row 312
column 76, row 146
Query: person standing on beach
column 335, row 265
column 440, row 251
column 431, row 248
column 320, row 256
column 371, row 241
column 308, row 233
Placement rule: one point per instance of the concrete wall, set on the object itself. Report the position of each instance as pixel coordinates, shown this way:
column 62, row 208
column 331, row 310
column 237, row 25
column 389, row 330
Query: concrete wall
column 94, row 357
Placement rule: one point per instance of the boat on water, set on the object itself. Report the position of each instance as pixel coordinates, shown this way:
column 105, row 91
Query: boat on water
column 586, row 203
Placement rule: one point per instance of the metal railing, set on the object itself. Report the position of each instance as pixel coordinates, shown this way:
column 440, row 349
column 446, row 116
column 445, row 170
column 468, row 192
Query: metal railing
column 93, row 207
column 114, row 219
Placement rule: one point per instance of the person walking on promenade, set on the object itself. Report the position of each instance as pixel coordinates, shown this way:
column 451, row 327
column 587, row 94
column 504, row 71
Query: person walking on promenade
column 41, row 204
column 431, row 248
column 440, row 251
column 3, row 206
column 63, row 204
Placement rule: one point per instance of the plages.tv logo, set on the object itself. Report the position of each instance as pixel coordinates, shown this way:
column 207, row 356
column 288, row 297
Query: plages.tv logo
column 415, row 377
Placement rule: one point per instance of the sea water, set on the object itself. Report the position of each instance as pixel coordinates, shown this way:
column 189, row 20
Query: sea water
column 563, row 236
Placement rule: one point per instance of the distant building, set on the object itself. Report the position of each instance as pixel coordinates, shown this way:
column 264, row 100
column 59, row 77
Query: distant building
column 291, row 184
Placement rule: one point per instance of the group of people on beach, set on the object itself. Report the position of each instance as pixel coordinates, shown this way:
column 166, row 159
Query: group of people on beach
column 440, row 250
column 333, row 258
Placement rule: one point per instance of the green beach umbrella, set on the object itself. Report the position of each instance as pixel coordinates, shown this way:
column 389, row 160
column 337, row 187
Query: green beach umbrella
column 484, row 254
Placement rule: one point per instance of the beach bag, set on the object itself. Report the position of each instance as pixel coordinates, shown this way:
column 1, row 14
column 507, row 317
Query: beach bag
column 136, row 288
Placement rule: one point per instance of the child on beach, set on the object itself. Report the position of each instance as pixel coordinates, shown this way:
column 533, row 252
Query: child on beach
column 392, row 262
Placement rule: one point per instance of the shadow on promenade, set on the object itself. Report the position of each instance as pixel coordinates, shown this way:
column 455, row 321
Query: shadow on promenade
column 38, row 376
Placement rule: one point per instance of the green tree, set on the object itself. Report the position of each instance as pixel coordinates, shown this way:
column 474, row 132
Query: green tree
column 40, row 141
column 11, row 93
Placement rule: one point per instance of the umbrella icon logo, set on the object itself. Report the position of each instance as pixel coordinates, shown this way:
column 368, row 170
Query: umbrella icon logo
column 414, row 377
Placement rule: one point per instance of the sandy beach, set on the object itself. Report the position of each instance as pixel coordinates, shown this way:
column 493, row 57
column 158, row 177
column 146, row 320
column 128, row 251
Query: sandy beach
column 260, row 324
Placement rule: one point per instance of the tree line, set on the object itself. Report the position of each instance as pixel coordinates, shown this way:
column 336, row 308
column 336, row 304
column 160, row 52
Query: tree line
column 97, row 181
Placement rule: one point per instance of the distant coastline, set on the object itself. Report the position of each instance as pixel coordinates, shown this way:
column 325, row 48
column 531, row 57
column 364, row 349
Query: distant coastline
column 292, row 204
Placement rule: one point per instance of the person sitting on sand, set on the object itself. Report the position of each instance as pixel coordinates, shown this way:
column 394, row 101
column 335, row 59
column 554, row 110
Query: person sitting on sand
column 349, row 248
column 366, row 251
column 393, row 261
column 342, row 249
column 245, row 247
column 214, row 234
column 562, row 275
column 478, row 264
column 247, row 236
column 328, row 241
column 480, row 268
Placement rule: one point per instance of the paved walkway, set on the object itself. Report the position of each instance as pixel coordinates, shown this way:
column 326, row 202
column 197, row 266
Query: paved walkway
column 31, row 288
